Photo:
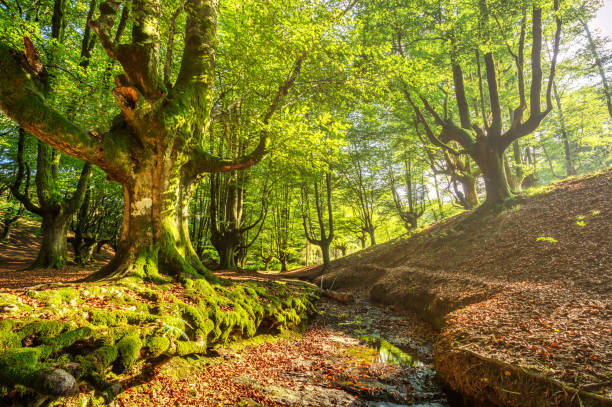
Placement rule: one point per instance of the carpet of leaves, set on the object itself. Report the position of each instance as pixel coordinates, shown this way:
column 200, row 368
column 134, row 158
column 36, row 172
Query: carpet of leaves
column 529, row 286
column 324, row 366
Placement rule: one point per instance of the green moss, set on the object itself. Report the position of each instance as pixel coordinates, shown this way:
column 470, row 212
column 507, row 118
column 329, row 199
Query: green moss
column 157, row 345
column 8, row 338
column 104, row 356
column 129, row 351
column 184, row 348
column 18, row 366
column 57, row 298
column 101, row 317
column 67, row 338
column 42, row 329
column 198, row 323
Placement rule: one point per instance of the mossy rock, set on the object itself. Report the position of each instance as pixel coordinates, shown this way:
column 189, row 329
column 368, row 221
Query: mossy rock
column 129, row 351
column 42, row 329
column 66, row 339
column 157, row 345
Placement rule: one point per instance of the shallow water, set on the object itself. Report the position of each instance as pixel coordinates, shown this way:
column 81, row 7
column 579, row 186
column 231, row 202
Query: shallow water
column 389, row 353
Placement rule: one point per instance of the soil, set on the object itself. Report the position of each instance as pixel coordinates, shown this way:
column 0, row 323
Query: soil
column 527, row 288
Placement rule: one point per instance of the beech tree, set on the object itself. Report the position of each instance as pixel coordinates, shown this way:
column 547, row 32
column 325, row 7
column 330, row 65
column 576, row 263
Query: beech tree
column 317, row 235
column 486, row 145
column 153, row 149
column 55, row 210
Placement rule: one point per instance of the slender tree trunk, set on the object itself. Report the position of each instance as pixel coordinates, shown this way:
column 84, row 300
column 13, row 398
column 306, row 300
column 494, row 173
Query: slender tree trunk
column 600, row 67
column 569, row 165
column 325, row 253
column 512, row 180
column 362, row 240
column 372, row 236
column 530, row 180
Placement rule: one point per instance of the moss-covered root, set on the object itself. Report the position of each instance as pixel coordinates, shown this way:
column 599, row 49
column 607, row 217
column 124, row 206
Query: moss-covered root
column 21, row 367
column 129, row 351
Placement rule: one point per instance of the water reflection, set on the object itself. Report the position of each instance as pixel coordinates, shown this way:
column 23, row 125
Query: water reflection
column 389, row 353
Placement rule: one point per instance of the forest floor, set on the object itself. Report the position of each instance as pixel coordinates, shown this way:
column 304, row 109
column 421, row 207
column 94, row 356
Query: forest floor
column 339, row 359
column 349, row 354
column 20, row 251
column 522, row 298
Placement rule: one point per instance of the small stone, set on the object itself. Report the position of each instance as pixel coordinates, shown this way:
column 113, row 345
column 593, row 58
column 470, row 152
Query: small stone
column 7, row 308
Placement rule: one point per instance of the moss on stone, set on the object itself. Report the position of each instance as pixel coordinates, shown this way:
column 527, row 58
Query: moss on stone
column 67, row 338
column 104, row 356
column 8, row 338
column 17, row 366
column 174, row 325
column 42, row 329
column 129, row 351
column 56, row 297
column 157, row 345
column 184, row 348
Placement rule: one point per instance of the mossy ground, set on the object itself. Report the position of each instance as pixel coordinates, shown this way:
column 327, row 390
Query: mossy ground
column 99, row 332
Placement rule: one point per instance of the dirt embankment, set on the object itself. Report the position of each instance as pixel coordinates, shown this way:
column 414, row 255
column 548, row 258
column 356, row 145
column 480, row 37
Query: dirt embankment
column 522, row 298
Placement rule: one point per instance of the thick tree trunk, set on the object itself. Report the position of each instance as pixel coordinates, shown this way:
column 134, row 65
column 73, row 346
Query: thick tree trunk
column 227, row 255
column 85, row 252
column 6, row 231
column 468, row 183
column 53, row 252
column 154, row 236
column 491, row 162
column 283, row 262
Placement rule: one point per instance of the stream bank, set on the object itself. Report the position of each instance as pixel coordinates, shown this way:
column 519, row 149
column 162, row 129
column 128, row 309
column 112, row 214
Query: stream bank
column 354, row 354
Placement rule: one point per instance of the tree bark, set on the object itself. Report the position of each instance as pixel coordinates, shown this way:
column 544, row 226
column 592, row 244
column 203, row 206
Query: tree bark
column 491, row 162
column 600, row 68
column 53, row 252
column 468, row 183
column 569, row 165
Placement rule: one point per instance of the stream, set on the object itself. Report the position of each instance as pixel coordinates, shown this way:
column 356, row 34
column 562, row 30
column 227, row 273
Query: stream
column 402, row 366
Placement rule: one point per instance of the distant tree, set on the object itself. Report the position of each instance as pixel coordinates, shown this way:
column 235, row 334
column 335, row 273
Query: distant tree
column 317, row 235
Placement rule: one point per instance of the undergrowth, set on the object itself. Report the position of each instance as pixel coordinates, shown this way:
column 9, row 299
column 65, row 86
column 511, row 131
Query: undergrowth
column 57, row 340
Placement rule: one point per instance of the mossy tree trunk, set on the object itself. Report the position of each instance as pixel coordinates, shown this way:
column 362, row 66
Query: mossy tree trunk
column 54, row 209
